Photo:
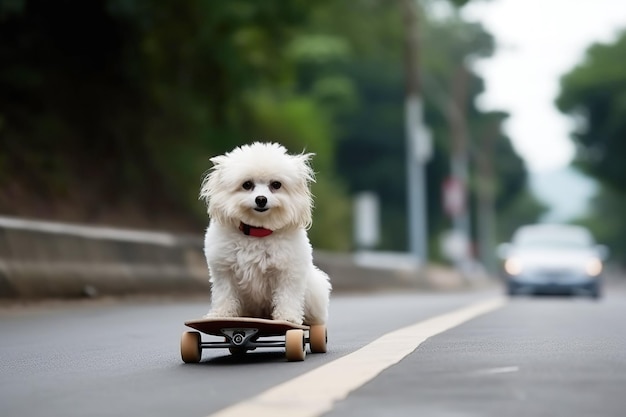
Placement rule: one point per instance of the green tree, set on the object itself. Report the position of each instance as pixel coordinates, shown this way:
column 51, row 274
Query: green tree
column 364, row 65
column 115, row 103
column 605, row 220
column 594, row 94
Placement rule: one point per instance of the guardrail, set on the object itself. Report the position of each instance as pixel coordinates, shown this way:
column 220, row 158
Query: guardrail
column 40, row 259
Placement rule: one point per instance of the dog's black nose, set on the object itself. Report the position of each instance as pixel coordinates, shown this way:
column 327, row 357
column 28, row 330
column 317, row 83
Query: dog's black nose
column 260, row 201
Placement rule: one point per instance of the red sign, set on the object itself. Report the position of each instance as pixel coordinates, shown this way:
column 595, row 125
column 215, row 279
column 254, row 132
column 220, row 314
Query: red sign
column 453, row 196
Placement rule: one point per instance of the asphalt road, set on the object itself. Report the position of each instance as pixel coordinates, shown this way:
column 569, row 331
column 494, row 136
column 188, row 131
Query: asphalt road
column 552, row 356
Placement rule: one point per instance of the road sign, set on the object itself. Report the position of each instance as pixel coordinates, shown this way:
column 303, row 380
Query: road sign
column 453, row 196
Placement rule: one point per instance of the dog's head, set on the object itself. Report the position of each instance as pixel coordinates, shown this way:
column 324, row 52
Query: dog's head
column 260, row 185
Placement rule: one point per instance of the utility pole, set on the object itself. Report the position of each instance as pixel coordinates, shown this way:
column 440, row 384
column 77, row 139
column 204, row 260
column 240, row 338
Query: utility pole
column 486, row 191
column 418, row 146
column 459, row 159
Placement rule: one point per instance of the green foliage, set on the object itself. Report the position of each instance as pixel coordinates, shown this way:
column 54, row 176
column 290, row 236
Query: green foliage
column 371, row 132
column 114, row 102
column 133, row 106
column 606, row 221
column 594, row 93
column 296, row 122
column 332, row 225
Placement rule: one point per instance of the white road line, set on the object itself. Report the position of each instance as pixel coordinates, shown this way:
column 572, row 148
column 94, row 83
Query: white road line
column 314, row 393
column 502, row 370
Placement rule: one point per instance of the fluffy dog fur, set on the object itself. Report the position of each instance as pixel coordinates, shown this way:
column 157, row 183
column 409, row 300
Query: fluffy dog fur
column 261, row 185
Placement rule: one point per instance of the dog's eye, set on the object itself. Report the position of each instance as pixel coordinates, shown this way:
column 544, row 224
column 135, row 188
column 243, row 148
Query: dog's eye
column 275, row 185
column 248, row 185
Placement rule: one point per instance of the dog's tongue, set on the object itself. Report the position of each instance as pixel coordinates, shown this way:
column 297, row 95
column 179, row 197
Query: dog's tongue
column 254, row 231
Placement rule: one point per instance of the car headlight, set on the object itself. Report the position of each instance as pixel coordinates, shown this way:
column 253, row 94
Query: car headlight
column 593, row 267
column 513, row 266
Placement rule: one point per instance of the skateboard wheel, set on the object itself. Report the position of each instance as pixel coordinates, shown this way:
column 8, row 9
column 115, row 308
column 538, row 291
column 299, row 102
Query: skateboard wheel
column 294, row 345
column 318, row 336
column 190, row 350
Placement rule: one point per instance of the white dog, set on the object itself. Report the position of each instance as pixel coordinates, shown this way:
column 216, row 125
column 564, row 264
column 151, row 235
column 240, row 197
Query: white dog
column 259, row 256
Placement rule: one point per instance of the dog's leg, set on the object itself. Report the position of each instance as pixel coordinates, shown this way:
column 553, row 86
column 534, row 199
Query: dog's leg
column 288, row 302
column 317, row 298
column 224, row 300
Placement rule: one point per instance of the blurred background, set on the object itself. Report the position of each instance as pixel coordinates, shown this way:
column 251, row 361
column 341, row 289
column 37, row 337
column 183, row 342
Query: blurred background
column 515, row 113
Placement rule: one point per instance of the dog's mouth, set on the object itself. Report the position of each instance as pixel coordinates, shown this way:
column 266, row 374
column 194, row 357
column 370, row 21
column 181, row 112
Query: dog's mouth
column 261, row 209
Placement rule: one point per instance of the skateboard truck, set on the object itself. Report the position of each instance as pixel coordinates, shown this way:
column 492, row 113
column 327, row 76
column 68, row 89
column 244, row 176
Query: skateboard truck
column 239, row 337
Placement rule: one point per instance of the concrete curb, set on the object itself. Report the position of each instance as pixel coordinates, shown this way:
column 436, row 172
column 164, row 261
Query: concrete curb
column 56, row 260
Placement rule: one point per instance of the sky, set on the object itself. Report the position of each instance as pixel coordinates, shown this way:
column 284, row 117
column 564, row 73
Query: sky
column 537, row 42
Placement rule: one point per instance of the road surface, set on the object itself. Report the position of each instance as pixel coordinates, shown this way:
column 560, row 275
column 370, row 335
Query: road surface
column 461, row 354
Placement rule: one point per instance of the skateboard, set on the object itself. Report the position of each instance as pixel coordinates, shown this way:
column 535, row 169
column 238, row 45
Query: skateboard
column 247, row 333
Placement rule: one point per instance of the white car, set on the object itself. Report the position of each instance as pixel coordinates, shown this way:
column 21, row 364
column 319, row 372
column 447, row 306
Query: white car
column 554, row 259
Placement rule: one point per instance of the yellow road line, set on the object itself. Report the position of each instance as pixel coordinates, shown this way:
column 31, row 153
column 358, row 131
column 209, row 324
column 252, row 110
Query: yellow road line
column 314, row 393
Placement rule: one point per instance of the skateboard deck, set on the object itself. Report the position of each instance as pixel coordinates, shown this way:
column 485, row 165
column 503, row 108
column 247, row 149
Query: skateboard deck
column 242, row 334
column 214, row 326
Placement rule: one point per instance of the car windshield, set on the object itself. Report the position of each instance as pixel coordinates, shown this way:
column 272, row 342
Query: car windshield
column 566, row 238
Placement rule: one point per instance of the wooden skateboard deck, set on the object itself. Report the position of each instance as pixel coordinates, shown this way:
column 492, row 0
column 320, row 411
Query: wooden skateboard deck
column 241, row 334
column 214, row 326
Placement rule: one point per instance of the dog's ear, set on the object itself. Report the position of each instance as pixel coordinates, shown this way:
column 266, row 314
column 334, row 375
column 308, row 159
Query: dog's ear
column 211, row 177
column 204, row 188
column 302, row 188
column 217, row 161
column 304, row 160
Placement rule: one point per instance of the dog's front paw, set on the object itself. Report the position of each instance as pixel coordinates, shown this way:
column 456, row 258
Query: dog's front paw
column 215, row 313
column 291, row 319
